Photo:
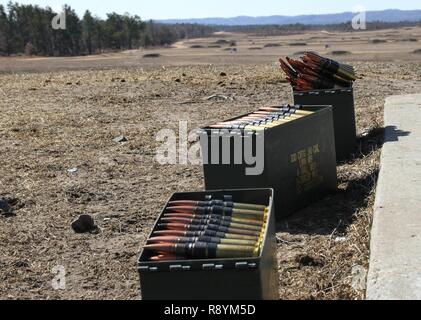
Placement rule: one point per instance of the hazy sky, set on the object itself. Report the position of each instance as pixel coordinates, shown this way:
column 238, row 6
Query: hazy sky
column 166, row 9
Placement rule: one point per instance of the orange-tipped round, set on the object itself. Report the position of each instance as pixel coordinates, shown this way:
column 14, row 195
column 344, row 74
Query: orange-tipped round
column 174, row 226
column 179, row 215
column 191, row 209
column 181, row 226
column 177, row 220
column 162, row 247
column 170, row 232
column 183, row 203
column 165, row 257
column 164, row 239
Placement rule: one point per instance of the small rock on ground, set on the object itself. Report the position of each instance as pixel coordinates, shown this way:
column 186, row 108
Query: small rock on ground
column 120, row 139
column 84, row 223
column 5, row 207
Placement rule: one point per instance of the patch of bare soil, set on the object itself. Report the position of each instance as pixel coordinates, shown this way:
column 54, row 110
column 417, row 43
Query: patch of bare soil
column 58, row 159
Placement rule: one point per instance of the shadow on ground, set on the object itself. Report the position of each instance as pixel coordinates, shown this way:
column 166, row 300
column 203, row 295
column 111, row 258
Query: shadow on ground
column 392, row 134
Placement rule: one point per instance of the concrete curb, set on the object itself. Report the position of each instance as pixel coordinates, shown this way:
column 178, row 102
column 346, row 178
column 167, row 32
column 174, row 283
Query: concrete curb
column 395, row 257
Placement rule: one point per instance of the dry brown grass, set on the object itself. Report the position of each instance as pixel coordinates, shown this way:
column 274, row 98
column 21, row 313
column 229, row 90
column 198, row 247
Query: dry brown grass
column 55, row 121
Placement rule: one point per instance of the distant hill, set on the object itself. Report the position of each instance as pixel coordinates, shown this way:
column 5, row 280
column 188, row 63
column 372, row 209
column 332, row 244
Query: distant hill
column 372, row 16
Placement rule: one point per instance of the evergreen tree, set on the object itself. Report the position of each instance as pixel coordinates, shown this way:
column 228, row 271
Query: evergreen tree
column 88, row 30
column 4, row 32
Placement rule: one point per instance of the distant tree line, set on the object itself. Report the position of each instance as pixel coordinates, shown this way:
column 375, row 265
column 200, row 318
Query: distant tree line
column 158, row 34
column 276, row 30
column 27, row 29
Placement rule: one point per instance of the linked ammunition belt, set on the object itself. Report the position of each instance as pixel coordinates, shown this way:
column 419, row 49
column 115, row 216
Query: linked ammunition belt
column 314, row 72
column 263, row 119
column 208, row 229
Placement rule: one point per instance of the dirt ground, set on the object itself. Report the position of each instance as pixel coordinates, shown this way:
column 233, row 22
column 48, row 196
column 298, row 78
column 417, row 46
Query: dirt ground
column 53, row 120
